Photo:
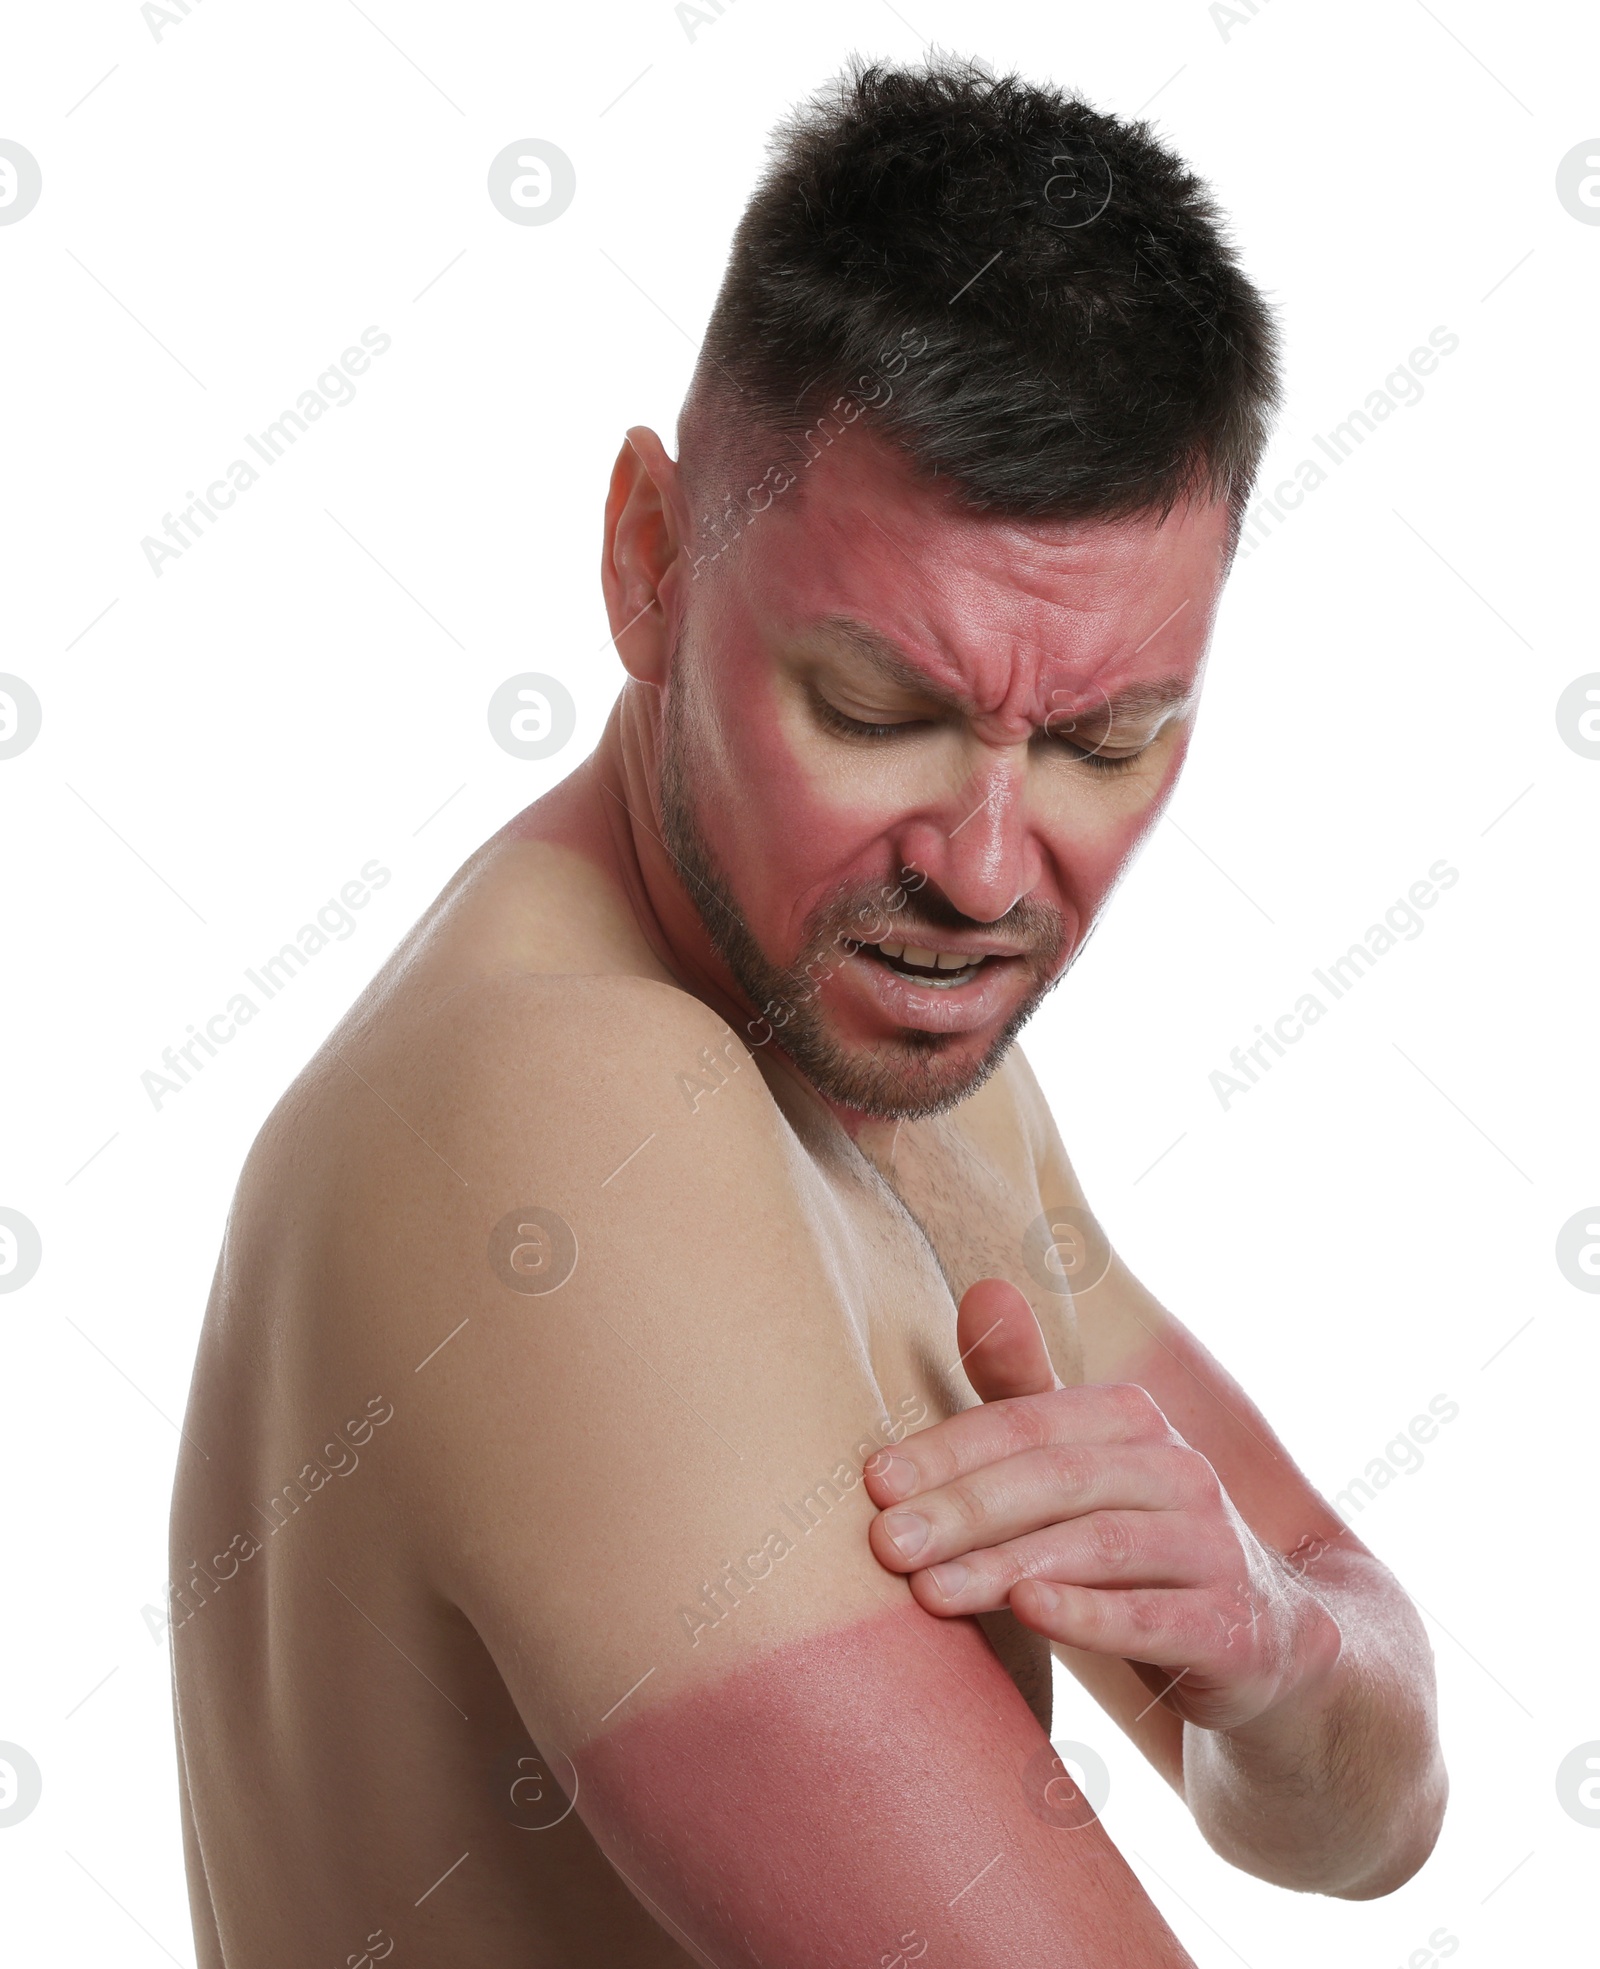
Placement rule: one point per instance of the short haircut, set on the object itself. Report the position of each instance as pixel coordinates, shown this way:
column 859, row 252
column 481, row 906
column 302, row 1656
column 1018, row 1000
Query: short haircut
column 1086, row 345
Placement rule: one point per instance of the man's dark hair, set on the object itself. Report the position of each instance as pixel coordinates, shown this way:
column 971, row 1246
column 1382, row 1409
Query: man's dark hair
column 1084, row 342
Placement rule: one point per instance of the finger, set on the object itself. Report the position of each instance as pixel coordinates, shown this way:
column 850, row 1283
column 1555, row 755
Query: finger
column 1029, row 1492
column 1002, row 1347
column 1105, row 1412
column 1144, row 1550
column 1169, row 1628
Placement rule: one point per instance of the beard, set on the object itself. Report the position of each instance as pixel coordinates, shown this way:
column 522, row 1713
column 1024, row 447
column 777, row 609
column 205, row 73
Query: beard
column 904, row 1078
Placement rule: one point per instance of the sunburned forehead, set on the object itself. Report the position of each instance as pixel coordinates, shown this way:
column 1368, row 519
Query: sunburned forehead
column 1012, row 618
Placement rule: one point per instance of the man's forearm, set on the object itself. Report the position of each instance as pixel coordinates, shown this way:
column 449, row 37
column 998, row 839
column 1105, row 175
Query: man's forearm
column 1340, row 1788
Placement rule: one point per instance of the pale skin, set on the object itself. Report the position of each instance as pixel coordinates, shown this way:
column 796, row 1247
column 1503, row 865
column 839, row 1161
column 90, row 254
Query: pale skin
column 765, row 1296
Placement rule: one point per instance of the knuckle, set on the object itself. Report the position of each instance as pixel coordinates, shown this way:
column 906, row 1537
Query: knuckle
column 1136, row 1408
column 1025, row 1422
column 1066, row 1466
column 1196, row 1481
column 1112, row 1540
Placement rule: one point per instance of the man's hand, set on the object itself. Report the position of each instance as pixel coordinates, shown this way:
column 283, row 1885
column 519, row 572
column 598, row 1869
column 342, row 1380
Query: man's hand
column 1090, row 1516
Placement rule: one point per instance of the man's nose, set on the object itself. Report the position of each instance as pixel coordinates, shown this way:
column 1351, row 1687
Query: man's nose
column 976, row 847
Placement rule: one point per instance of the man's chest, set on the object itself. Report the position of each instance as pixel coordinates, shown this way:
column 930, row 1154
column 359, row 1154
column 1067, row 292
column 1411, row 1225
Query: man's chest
column 974, row 1196
column 972, row 1206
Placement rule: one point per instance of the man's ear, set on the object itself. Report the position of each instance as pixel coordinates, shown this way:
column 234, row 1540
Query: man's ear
column 643, row 541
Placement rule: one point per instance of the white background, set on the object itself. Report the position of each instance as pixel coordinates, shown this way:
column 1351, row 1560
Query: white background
column 1371, row 1226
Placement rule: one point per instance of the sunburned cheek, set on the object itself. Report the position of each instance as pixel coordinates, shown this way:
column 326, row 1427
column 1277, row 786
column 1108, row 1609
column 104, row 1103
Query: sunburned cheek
column 820, row 1802
column 790, row 841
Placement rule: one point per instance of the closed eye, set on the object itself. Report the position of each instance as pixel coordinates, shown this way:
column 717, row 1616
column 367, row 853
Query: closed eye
column 1101, row 762
column 840, row 722
column 1093, row 756
column 833, row 719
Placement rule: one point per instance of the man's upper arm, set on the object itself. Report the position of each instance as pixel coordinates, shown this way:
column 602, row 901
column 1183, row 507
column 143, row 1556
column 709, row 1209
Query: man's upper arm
column 644, row 1492
column 1127, row 1335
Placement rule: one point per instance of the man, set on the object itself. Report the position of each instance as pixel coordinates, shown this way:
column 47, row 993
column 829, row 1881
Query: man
column 664, row 1393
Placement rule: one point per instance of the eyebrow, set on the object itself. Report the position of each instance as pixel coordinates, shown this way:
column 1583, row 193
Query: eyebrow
column 892, row 663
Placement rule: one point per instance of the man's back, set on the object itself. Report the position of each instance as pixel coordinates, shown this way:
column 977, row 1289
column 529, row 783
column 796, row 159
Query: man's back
column 550, row 1334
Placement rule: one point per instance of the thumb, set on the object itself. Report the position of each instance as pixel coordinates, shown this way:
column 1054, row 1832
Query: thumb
column 1000, row 1342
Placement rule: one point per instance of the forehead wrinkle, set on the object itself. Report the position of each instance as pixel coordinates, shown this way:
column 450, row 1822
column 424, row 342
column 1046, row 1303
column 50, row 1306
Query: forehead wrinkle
column 1032, row 573
column 1134, row 701
column 889, row 660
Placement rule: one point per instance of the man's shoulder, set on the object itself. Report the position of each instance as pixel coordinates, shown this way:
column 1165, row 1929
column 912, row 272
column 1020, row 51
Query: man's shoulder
column 563, row 1053
column 384, row 1174
column 634, row 1015
column 573, row 1058
column 620, row 1112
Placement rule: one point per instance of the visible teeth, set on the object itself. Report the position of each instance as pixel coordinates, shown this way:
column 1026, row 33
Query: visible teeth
column 928, row 960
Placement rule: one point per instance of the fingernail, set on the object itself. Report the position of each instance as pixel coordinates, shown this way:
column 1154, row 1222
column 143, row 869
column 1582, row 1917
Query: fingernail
column 1046, row 1597
column 950, row 1577
column 908, row 1531
column 895, row 1474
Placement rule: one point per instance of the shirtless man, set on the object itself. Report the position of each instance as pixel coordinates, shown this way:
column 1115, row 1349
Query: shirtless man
column 664, row 1394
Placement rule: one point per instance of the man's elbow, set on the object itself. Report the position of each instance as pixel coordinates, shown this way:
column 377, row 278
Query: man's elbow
column 1362, row 1861
column 1413, row 1836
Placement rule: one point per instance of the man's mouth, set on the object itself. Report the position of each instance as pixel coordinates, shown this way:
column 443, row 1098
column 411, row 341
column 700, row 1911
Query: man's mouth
column 942, row 969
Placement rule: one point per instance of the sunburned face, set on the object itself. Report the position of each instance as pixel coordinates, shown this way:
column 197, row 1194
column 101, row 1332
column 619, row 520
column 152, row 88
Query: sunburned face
column 907, row 753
